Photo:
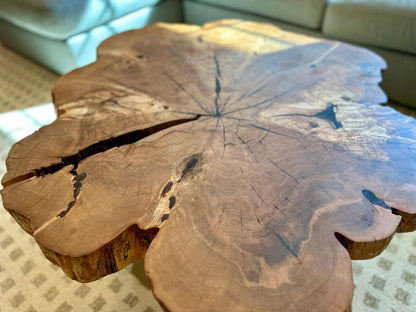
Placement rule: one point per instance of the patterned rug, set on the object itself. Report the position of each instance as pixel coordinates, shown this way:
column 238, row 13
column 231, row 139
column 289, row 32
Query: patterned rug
column 29, row 282
column 22, row 82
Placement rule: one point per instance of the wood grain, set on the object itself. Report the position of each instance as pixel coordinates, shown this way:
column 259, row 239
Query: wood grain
column 248, row 165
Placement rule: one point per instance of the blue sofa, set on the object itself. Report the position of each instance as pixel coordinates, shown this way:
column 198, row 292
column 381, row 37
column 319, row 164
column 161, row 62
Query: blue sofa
column 63, row 34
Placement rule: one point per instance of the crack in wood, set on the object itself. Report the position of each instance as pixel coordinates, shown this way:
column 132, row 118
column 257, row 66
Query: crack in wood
column 217, row 66
column 324, row 55
column 189, row 166
column 78, row 178
column 180, row 86
column 217, row 87
column 223, row 138
column 278, row 236
column 258, row 89
column 248, row 94
column 100, row 147
column 271, row 131
column 286, row 245
column 225, row 103
column 262, row 102
column 266, row 203
column 172, row 201
column 165, row 217
column 284, row 171
column 328, row 114
column 246, row 145
column 374, row 200
column 166, row 189
column 254, row 105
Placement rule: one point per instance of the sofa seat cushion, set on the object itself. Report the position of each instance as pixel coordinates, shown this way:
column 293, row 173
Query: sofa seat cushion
column 388, row 24
column 306, row 13
column 59, row 19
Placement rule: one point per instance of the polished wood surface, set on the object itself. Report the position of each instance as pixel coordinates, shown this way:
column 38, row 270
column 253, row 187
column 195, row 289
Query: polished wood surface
column 246, row 164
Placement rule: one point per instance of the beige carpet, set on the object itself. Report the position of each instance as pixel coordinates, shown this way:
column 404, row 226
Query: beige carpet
column 28, row 282
column 22, row 82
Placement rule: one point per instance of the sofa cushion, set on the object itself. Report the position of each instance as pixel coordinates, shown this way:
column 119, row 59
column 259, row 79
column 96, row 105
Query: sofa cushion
column 59, row 19
column 80, row 49
column 382, row 23
column 300, row 12
column 198, row 13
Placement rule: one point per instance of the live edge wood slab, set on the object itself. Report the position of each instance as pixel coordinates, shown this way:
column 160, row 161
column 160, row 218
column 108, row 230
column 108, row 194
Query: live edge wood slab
column 246, row 164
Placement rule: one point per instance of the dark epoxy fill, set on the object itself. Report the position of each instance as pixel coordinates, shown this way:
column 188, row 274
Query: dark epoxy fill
column 191, row 164
column 327, row 114
column 100, row 147
column 172, row 201
column 165, row 217
column 373, row 199
column 286, row 245
column 217, row 87
column 77, row 188
column 166, row 189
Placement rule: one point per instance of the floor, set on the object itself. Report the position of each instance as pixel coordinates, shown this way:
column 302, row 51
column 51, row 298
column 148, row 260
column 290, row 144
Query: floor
column 28, row 282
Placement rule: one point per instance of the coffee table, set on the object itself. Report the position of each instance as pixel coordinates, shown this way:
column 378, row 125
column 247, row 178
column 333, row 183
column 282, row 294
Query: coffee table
column 246, row 164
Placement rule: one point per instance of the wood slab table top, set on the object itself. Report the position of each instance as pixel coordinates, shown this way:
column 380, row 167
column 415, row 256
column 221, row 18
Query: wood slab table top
column 248, row 165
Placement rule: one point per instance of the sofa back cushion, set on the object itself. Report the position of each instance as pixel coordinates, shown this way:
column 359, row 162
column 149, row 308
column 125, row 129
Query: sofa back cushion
column 387, row 24
column 306, row 13
column 59, row 19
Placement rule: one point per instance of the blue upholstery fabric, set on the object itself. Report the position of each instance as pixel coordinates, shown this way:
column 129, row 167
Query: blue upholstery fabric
column 387, row 24
column 307, row 13
column 79, row 48
column 59, row 19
